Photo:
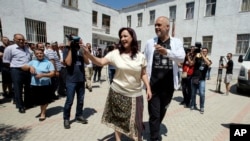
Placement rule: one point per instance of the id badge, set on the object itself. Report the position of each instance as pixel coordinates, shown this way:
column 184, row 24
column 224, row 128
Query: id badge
column 78, row 63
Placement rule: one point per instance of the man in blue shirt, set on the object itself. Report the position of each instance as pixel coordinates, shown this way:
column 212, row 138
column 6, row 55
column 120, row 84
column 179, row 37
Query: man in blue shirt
column 17, row 55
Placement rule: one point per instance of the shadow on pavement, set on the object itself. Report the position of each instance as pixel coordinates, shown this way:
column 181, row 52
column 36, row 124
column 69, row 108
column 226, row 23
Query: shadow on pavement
column 146, row 132
column 9, row 133
column 87, row 112
column 233, row 90
column 178, row 99
column 52, row 111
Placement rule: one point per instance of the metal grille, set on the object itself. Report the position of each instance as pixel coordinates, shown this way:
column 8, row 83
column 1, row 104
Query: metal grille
column 68, row 31
column 35, row 30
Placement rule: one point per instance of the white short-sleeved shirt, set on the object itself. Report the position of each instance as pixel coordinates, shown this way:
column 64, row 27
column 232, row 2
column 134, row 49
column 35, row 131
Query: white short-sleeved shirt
column 127, row 79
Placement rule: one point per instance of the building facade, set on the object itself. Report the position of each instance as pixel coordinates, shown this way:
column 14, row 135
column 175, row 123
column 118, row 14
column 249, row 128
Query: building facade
column 220, row 25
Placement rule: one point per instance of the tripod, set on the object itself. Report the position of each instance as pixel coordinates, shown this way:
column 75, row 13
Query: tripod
column 219, row 76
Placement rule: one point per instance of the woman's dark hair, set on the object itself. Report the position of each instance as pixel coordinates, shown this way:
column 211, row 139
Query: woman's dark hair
column 134, row 43
column 74, row 48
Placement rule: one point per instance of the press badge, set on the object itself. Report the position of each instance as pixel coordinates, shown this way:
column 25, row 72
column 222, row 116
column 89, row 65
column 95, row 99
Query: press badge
column 78, row 63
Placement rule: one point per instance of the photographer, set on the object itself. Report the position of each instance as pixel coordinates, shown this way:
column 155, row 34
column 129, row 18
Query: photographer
column 75, row 78
column 198, row 82
column 188, row 68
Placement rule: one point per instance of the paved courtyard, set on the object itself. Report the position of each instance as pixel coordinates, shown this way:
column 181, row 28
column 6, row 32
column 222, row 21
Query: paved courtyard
column 180, row 123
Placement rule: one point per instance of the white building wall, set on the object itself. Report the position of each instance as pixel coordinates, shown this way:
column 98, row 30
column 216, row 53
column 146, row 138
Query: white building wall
column 224, row 26
column 14, row 12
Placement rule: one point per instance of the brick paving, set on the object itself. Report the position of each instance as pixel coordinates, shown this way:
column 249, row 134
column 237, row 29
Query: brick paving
column 180, row 123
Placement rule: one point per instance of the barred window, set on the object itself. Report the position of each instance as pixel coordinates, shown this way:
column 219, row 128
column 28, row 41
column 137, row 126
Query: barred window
column 71, row 3
column 172, row 11
column 139, row 20
column 245, row 6
column 242, row 43
column 207, row 42
column 152, row 17
column 190, row 10
column 129, row 21
column 35, row 30
column 187, row 41
column 68, row 31
column 94, row 18
column 211, row 6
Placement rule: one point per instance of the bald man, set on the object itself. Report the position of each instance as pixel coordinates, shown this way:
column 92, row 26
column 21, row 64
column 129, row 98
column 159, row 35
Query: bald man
column 163, row 53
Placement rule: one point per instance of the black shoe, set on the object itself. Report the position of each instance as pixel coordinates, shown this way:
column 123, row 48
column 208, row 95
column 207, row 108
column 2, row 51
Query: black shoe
column 182, row 103
column 21, row 110
column 66, row 124
column 81, row 120
column 42, row 119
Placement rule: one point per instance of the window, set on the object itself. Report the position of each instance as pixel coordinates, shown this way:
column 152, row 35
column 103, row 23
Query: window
column 245, row 6
column 207, row 42
column 172, row 12
column 242, row 43
column 152, row 17
column 211, row 6
column 35, row 30
column 71, row 3
column 139, row 20
column 129, row 21
column 190, row 10
column 69, row 30
column 106, row 23
column 1, row 31
column 187, row 41
column 94, row 18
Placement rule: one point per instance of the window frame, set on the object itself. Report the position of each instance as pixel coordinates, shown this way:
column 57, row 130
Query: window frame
column 69, row 4
column 35, row 30
column 245, row 6
column 139, row 17
column 208, row 43
column 67, row 30
column 151, row 17
column 190, row 10
column 210, row 8
column 94, row 18
column 242, row 43
column 172, row 16
column 129, row 20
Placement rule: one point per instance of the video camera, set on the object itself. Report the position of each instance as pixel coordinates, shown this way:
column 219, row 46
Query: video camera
column 73, row 38
column 197, row 47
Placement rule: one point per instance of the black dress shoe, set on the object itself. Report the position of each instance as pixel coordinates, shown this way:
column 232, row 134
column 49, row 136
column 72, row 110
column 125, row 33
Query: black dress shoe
column 21, row 110
column 42, row 119
column 66, row 124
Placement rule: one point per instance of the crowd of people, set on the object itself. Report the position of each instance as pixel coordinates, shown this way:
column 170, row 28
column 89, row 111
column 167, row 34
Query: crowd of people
column 45, row 69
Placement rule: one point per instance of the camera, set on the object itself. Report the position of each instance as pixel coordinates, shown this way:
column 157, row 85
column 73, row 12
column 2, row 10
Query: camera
column 73, row 38
column 197, row 47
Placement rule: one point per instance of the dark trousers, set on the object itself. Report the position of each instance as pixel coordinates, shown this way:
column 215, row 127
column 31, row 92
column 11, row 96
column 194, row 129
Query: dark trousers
column 111, row 75
column 157, row 108
column 186, row 90
column 97, row 71
column 72, row 88
column 21, row 80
